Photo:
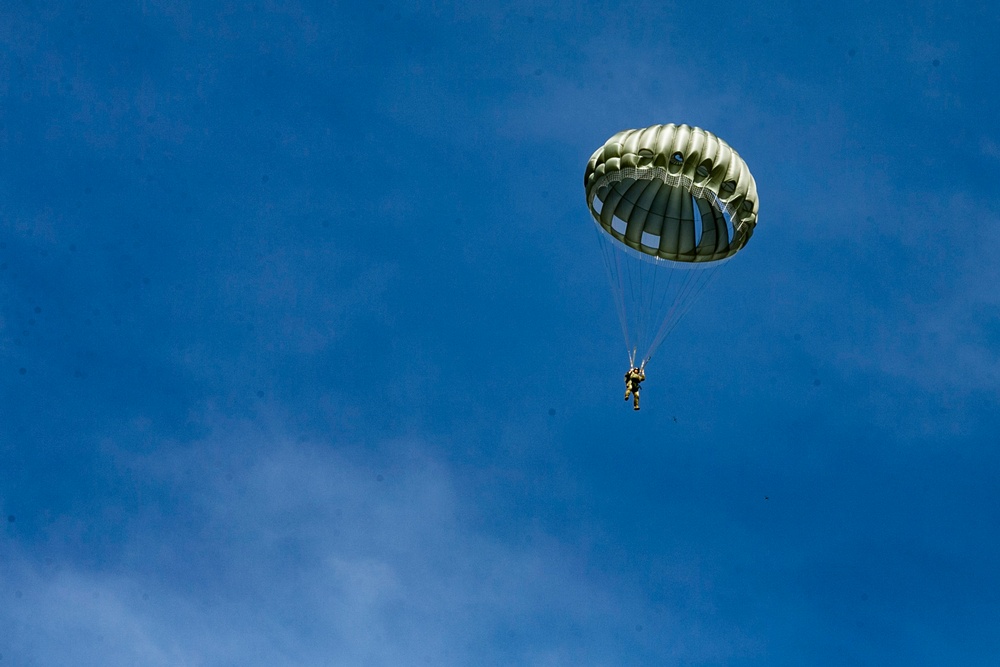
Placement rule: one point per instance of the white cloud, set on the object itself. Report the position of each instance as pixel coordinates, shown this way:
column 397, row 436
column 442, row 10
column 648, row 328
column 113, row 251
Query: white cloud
column 252, row 549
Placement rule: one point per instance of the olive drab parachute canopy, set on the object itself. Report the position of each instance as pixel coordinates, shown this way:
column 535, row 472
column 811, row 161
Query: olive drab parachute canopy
column 671, row 203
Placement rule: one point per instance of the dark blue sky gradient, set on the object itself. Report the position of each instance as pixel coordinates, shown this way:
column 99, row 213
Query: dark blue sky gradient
column 307, row 355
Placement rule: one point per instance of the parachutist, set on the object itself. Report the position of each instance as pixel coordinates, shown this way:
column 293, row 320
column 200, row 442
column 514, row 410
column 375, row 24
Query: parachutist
column 633, row 378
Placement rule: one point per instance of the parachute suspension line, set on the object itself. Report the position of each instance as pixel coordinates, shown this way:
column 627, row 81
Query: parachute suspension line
column 649, row 312
column 668, row 320
column 622, row 275
column 641, row 301
column 618, row 290
column 663, row 305
column 687, row 300
column 612, row 267
column 687, row 297
column 679, row 307
column 648, row 306
column 682, row 293
column 710, row 274
column 633, row 299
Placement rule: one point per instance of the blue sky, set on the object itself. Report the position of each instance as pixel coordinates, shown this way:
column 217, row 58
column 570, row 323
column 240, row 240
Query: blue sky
column 307, row 356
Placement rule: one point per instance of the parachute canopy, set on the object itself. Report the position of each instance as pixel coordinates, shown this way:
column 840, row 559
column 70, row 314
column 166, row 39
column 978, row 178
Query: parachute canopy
column 667, row 199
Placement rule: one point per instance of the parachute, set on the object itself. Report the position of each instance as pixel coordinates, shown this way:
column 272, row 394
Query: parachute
column 672, row 204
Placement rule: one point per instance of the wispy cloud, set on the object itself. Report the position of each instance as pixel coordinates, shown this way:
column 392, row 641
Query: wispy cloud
column 253, row 548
